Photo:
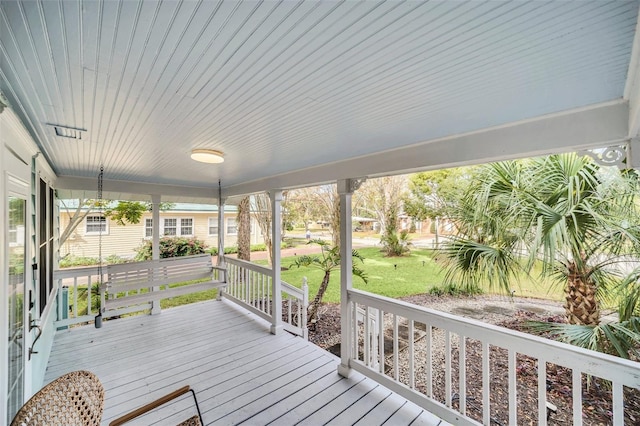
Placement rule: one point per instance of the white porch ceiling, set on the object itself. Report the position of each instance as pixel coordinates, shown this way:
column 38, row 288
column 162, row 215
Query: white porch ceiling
column 302, row 92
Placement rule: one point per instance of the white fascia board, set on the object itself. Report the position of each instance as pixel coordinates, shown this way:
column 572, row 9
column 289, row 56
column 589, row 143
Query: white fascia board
column 77, row 187
column 589, row 127
column 632, row 86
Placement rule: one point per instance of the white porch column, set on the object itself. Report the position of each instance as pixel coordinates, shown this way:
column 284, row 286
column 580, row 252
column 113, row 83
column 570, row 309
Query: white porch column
column 221, row 230
column 155, row 241
column 276, row 235
column 633, row 159
column 345, row 190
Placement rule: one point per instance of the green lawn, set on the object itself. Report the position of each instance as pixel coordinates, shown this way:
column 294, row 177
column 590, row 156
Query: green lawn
column 388, row 276
column 401, row 276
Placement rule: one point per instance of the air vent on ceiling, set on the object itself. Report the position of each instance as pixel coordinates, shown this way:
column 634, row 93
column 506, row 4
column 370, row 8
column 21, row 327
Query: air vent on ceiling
column 68, row 132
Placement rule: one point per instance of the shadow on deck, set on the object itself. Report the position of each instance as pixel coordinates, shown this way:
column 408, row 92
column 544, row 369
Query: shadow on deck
column 241, row 373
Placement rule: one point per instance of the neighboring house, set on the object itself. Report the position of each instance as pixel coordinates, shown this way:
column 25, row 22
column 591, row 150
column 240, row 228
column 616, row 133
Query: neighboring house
column 183, row 219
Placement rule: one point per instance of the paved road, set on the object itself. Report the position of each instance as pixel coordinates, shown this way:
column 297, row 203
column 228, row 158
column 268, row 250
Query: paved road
column 314, row 248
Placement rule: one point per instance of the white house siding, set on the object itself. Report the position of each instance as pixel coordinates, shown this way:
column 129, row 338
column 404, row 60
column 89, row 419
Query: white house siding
column 124, row 240
column 118, row 240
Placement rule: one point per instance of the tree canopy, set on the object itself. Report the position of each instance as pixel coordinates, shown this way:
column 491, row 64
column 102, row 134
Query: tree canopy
column 579, row 221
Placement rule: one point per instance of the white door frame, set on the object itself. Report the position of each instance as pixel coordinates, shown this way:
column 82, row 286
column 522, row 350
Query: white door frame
column 15, row 182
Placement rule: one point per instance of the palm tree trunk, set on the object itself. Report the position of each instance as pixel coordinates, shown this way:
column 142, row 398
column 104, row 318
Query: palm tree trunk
column 312, row 313
column 581, row 305
column 244, row 229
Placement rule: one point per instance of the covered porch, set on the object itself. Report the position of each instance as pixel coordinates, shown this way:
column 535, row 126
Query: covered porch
column 250, row 361
column 241, row 373
column 292, row 94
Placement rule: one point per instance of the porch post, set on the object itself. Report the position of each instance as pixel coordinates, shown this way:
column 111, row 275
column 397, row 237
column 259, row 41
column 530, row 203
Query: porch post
column 221, row 231
column 155, row 241
column 634, row 153
column 276, row 235
column 345, row 190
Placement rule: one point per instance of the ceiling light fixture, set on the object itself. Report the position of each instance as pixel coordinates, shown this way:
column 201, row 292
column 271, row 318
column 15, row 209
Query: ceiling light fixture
column 207, row 156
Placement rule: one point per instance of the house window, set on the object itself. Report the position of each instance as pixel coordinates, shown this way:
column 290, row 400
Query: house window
column 213, row 226
column 232, row 226
column 186, row 226
column 170, row 227
column 96, row 224
column 148, row 228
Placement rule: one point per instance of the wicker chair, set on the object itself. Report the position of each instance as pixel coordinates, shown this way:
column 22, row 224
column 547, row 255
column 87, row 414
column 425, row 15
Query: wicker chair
column 77, row 399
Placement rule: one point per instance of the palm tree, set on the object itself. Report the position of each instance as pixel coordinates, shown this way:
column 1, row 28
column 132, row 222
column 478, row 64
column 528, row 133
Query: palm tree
column 581, row 221
column 244, row 229
column 328, row 261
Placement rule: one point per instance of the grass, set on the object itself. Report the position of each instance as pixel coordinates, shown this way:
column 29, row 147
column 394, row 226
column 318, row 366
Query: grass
column 164, row 303
column 403, row 276
column 393, row 277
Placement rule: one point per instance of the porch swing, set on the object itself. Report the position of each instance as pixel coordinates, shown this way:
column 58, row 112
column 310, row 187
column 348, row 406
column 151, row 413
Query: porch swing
column 77, row 398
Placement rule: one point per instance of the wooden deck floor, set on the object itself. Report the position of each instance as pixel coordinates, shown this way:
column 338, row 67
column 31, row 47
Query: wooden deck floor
column 241, row 373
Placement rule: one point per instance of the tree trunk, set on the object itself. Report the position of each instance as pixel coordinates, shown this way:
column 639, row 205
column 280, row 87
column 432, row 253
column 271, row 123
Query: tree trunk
column 581, row 305
column 312, row 312
column 335, row 223
column 244, row 230
column 263, row 216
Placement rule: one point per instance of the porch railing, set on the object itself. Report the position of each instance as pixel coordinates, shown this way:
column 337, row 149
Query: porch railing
column 77, row 295
column 250, row 286
column 435, row 351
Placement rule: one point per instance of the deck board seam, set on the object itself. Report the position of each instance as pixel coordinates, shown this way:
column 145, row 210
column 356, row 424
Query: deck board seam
column 332, row 399
column 373, row 408
column 261, row 385
column 352, row 404
column 291, row 394
column 195, row 386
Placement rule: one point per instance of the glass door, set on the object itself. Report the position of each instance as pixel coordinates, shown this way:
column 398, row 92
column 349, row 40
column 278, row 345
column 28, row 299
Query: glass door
column 16, row 242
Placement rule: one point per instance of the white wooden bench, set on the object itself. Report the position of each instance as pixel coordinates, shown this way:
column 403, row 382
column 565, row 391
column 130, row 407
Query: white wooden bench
column 130, row 284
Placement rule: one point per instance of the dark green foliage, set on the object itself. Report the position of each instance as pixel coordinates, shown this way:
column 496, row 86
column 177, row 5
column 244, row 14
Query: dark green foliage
column 327, row 261
column 73, row 261
column 394, row 243
column 234, row 249
column 172, row 247
column 576, row 219
column 615, row 338
column 454, row 290
column 126, row 212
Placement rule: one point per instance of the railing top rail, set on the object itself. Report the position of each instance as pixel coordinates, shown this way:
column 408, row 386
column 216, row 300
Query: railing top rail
column 291, row 289
column 82, row 271
column 248, row 265
column 595, row 363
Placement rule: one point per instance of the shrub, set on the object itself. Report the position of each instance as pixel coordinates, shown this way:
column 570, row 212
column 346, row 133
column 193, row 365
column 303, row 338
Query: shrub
column 453, row 290
column 172, row 247
column 394, row 244
column 72, row 261
column 114, row 259
column 234, row 249
column 227, row 250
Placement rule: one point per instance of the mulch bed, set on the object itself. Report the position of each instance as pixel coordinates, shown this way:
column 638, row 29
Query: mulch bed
column 596, row 393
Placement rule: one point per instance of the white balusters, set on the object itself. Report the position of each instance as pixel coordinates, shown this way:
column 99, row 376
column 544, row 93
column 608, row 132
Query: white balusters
column 462, row 376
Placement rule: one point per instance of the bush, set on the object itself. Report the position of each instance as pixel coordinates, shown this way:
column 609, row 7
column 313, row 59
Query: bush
column 73, row 261
column 394, row 244
column 114, row 259
column 227, row 250
column 453, row 290
column 234, row 249
column 172, row 247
